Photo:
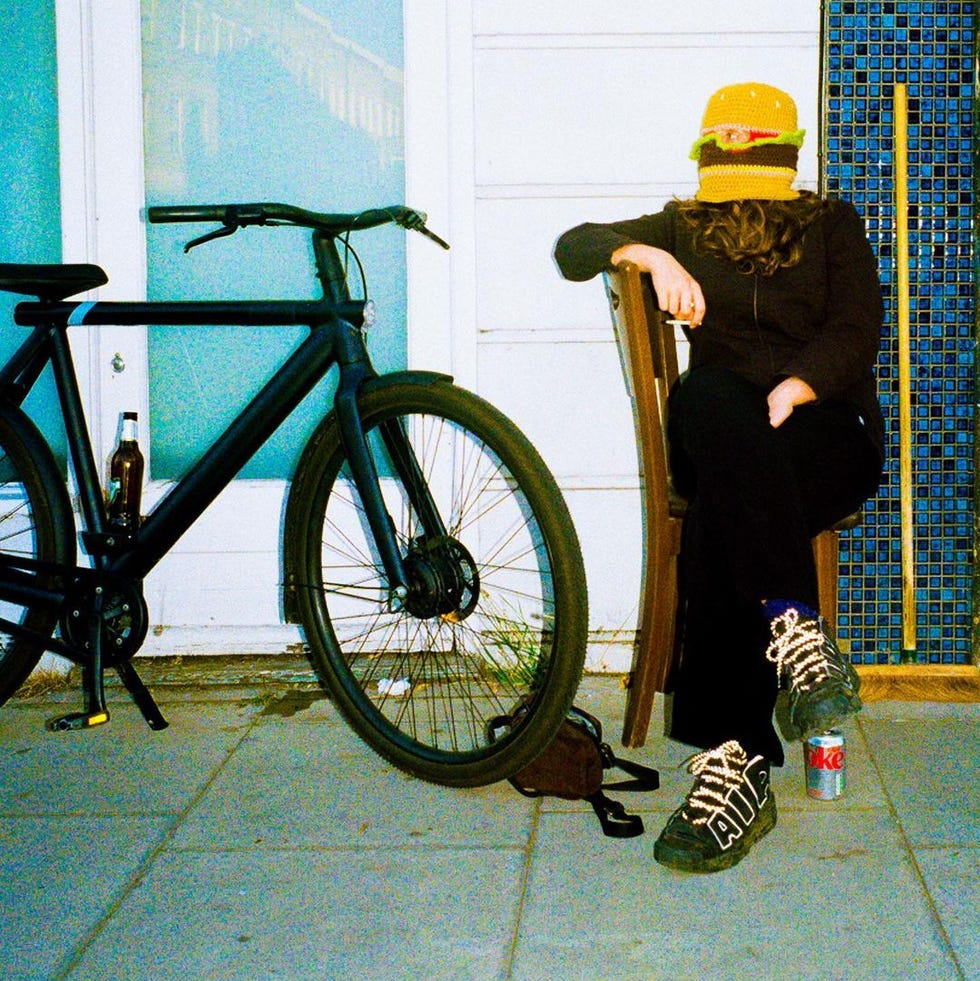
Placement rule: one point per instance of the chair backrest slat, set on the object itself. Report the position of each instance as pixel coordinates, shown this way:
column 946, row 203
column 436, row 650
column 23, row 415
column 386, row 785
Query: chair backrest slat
column 649, row 359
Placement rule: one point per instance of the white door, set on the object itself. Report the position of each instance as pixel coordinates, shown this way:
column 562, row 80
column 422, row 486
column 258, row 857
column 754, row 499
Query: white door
column 554, row 113
column 184, row 101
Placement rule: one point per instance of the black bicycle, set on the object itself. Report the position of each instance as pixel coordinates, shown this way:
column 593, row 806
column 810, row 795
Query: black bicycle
column 427, row 551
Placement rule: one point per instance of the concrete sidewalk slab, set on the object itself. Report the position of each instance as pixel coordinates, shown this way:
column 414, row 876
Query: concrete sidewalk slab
column 60, row 877
column 368, row 913
column 122, row 768
column 931, row 768
column 788, row 911
column 327, row 789
column 258, row 838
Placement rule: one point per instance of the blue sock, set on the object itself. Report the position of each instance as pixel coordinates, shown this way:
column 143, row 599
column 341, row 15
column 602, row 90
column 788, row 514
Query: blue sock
column 776, row 608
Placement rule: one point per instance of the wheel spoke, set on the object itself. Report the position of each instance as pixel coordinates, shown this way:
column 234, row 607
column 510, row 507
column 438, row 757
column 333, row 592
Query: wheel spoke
column 35, row 524
column 477, row 633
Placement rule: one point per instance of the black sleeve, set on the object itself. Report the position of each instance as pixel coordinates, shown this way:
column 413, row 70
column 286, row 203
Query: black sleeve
column 584, row 251
column 847, row 347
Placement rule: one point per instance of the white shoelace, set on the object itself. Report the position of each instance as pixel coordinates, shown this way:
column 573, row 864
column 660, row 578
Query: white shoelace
column 797, row 650
column 719, row 772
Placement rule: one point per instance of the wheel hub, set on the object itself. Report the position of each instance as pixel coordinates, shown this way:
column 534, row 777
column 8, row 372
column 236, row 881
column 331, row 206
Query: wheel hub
column 443, row 580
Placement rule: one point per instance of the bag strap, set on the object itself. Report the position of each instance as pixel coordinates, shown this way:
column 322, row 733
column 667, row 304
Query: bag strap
column 643, row 777
column 613, row 819
column 615, row 822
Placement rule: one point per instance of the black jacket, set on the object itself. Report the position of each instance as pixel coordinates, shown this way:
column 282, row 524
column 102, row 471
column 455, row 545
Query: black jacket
column 819, row 320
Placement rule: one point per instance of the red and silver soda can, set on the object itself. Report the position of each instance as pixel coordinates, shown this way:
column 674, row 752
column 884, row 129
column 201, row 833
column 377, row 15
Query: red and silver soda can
column 825, row 765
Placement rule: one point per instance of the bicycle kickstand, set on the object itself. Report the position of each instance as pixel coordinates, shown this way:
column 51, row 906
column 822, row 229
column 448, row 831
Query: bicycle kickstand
column 93, row 680
column 141, row 696
column 93, row 683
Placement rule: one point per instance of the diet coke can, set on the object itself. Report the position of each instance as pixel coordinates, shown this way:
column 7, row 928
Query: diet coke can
column 825, row 760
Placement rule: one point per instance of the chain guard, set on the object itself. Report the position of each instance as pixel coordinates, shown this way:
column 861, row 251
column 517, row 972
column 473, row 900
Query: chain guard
column 124, row 618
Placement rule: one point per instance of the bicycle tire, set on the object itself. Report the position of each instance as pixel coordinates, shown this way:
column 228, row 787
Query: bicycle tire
column 35, row 523
column 520, row 635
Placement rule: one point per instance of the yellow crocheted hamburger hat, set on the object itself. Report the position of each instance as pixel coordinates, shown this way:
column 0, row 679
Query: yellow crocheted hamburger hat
column 749, row 145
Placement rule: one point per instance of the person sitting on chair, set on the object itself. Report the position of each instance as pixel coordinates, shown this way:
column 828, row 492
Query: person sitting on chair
column 775, row 434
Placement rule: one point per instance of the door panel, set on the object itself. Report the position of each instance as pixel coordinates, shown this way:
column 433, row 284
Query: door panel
column 260, row 101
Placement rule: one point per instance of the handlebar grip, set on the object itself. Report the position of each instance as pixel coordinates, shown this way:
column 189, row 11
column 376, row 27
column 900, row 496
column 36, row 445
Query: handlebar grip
column 186, row 213
column 396, row 214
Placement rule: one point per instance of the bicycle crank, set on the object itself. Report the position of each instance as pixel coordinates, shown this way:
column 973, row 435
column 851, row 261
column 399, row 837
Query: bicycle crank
column 106, row 623
column 122, row 614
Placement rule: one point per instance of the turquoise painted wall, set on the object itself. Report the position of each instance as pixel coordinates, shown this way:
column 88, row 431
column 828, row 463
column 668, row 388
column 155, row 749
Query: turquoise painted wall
column 30, row 212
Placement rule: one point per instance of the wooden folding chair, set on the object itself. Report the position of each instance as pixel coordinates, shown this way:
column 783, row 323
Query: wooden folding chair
column 649, row 355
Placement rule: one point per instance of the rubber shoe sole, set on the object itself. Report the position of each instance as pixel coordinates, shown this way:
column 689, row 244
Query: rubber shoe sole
column 824, row 714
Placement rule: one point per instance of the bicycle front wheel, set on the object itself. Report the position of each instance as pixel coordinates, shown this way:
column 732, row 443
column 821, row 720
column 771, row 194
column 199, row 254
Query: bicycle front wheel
column 497, row 610
column 35, row 526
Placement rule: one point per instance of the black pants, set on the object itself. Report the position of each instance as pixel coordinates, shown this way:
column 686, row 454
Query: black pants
column 757, row 497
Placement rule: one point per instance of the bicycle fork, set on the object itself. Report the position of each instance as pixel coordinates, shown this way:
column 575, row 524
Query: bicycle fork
column 367, row 479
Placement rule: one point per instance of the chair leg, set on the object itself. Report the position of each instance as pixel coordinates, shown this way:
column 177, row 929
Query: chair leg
column 825, row 554
column 654, row 655
column 642, row 685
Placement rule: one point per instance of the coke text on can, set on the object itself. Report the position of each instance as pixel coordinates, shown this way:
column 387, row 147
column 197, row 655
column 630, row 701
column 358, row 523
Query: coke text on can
column 825, row 765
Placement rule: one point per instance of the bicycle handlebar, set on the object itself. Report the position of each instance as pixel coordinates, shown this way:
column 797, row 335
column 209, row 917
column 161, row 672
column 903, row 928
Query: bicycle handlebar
column 235, row 216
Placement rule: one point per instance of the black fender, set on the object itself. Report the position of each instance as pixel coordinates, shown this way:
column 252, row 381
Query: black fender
column 328, row 429
column 53, row 475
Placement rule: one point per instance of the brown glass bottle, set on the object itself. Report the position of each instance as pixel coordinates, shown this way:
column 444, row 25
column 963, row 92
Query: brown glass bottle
column 126, row 477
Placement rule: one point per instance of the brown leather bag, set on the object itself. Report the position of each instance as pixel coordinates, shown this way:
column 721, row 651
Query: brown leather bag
column 571, row 767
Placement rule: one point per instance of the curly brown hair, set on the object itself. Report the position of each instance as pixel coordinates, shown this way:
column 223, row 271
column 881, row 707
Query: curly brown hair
column 758, row 236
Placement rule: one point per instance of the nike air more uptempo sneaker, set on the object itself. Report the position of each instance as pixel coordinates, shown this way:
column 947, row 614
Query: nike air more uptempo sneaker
column 729, row 808
column 821, row 681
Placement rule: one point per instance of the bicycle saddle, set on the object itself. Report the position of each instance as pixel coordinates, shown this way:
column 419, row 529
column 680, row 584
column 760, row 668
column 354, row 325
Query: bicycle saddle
column 50, row 282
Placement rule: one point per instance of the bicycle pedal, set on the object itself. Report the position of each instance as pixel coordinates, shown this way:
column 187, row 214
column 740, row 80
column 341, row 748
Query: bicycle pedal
column 77, row 720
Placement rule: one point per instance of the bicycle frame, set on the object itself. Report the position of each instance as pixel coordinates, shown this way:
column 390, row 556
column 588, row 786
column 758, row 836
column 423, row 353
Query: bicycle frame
column 334, row 323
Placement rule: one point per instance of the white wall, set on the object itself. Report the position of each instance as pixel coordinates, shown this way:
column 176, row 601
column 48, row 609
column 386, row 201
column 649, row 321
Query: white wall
column 558, row 113
column 522, row 119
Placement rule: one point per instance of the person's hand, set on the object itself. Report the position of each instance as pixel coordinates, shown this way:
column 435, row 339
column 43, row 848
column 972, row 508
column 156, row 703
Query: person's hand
column 677, row 291
column 788, row 394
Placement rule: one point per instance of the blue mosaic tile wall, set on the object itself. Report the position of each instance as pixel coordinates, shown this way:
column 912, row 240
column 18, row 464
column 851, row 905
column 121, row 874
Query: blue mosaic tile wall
column 929, row 45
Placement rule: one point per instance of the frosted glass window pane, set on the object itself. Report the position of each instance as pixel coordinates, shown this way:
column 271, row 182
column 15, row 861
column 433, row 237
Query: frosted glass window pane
column 263, row 100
